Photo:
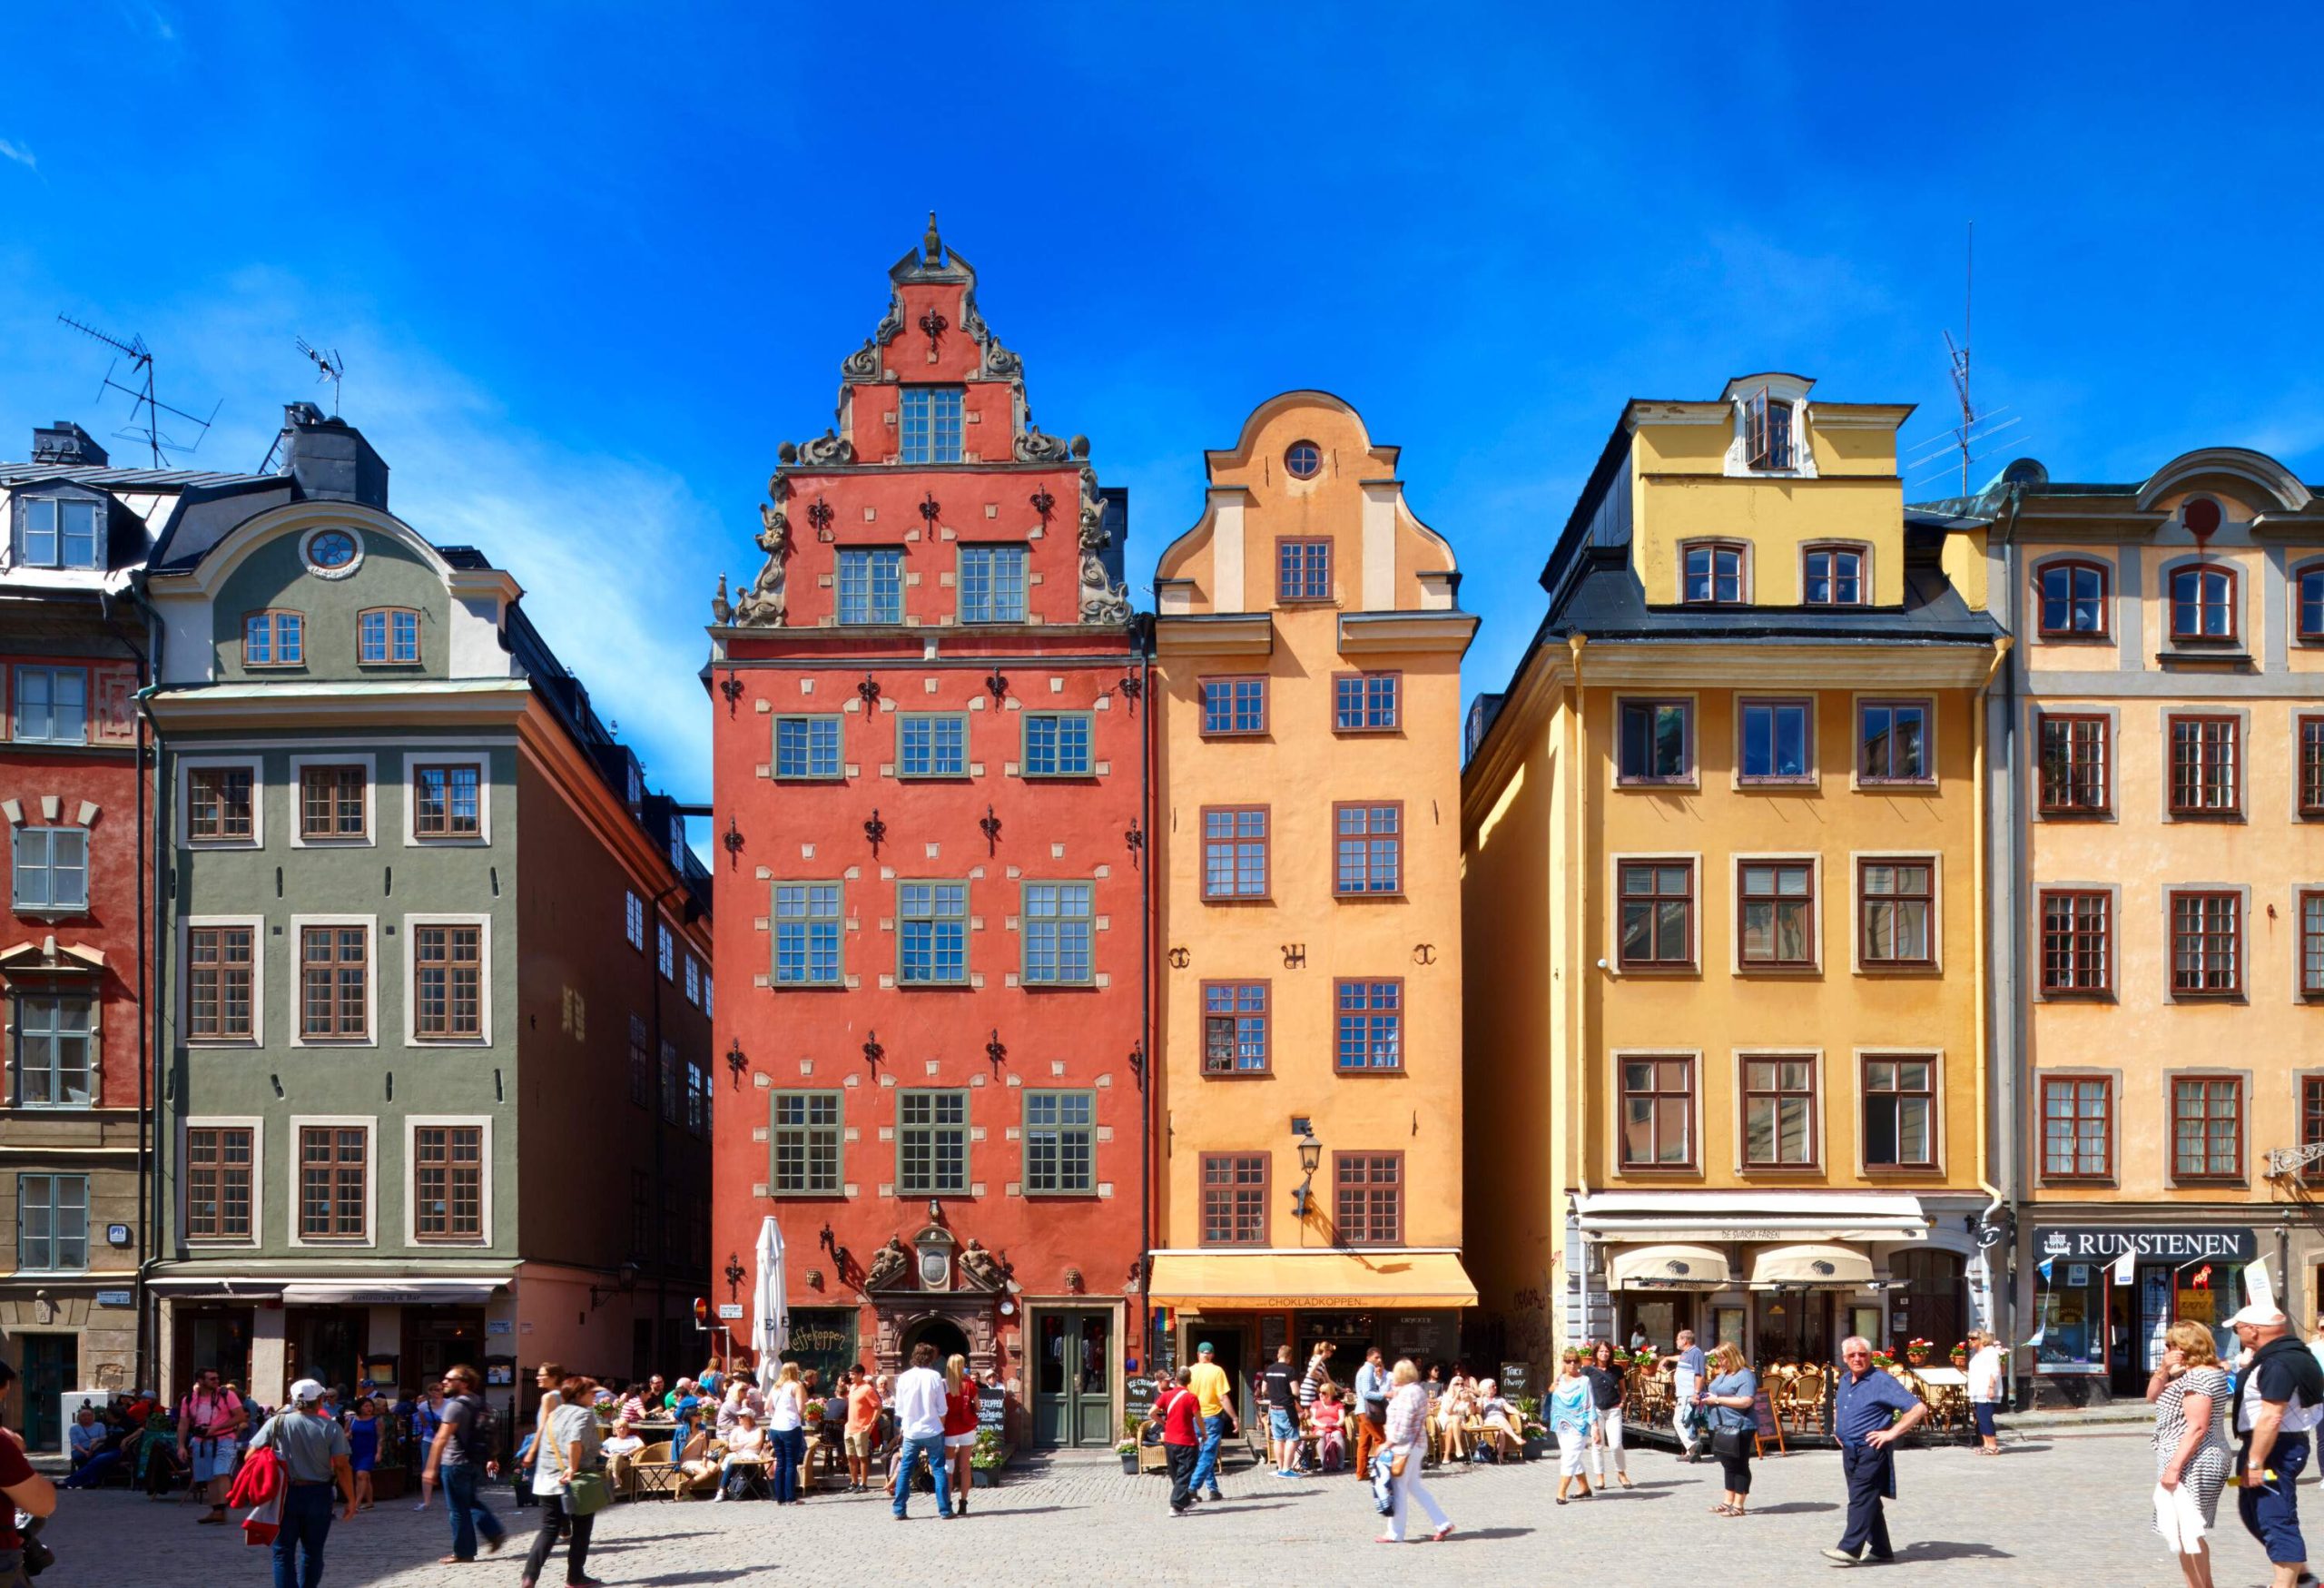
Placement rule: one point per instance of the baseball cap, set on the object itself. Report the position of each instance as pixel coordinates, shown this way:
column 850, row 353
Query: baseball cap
column 305, row 1393
column 2260, row 1314
column 1203, row 1349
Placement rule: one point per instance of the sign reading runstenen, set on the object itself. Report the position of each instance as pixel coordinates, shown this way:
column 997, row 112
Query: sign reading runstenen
column 2174, row 1243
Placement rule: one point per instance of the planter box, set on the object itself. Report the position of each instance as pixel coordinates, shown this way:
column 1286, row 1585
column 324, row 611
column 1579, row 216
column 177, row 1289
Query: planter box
column 1130, row 1464
column 984, row 1477
column 1536, row 1449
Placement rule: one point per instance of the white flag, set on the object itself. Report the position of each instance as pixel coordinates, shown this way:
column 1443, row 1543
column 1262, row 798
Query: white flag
column 2258, row 1288
column 2124, row 1263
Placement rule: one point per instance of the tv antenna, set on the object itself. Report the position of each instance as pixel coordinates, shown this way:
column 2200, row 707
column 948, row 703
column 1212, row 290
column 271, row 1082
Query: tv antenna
column 328, row 366
column 1968, row 439
column 144, row 404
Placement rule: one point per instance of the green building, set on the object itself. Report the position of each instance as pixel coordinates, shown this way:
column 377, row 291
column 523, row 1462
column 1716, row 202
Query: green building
column 434, row 1046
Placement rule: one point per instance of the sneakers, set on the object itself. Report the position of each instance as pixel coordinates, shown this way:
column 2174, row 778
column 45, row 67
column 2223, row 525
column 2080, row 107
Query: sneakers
column 716, row 1498
column 1840, row 1557
column 1213, row 1494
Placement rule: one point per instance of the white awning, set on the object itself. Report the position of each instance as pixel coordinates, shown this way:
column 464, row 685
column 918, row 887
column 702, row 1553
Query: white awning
column 1750, row 1216
column 1667, row 1268
column 388, row 1292
column 1811, row 1266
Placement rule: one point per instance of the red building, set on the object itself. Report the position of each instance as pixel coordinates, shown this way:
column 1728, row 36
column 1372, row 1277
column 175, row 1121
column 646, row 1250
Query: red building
column 76, row 790
column 930, row 782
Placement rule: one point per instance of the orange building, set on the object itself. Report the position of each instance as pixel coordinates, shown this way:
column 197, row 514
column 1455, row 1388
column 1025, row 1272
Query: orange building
column 1307, row 855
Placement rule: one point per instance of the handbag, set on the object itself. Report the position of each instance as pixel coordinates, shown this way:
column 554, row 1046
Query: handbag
column 1732, row 1444
column 586, row 1493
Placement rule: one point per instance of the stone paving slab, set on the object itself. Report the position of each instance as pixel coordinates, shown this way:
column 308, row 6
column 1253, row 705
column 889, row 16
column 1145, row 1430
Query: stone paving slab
column 2072, row 1511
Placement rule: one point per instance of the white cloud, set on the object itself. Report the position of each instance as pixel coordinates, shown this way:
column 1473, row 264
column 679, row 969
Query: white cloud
column 19, row 153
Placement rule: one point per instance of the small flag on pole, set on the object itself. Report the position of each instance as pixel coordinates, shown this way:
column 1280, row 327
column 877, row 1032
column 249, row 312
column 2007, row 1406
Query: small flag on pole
column 2123, row 1266
column 2258, row 1288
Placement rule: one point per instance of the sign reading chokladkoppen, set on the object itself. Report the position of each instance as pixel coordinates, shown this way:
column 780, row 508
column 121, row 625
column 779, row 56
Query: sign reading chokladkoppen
column 2159, row 1243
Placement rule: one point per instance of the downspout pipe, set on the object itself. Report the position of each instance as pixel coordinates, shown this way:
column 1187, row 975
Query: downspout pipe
column 1581, row 982
column 1150, row 806
column 152, row 1079
column 1994, row 1200
column 146, row 1139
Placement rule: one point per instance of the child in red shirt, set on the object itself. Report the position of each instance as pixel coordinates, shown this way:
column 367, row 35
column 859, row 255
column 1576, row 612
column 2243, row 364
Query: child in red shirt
column 1178, row 1411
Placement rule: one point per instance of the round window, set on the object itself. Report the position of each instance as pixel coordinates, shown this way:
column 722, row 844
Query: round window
column 1305, row 459
column 332, row 553
column 2201, row 516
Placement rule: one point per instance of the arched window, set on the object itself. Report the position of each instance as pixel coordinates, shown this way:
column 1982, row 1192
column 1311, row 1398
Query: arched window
column 2073, row 596
column 1715, row 572
column 2311, row 592
column 2202, row 603
column 1834, row 575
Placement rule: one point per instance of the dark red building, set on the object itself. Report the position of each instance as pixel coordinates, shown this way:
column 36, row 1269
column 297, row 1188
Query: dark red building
column 929, row 784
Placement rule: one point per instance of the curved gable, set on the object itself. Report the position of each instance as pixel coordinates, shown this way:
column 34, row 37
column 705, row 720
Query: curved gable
column 2260, row 477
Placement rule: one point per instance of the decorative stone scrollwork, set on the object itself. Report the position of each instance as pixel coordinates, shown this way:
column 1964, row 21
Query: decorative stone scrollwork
column 1102, row 600
column 892, row 324
column 1033, row 446
column 1001, row 363
column 863, row 363
column 826, row 449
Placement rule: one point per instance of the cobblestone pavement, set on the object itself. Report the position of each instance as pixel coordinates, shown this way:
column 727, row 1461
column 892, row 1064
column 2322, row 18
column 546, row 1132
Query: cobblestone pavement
column 2069, row 1510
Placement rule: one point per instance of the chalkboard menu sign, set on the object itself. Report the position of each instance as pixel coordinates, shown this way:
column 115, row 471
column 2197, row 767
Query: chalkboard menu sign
column 1764, row 1414
column 993, row 1409
column 1516, row 1378
column 1137, row 1397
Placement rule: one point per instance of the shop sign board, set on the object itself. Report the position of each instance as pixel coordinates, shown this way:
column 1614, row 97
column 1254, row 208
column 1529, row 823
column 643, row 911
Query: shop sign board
column 2162, row 1244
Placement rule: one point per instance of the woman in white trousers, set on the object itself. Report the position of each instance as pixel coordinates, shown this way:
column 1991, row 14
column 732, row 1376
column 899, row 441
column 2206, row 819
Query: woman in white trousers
column 1406, row 1443
column 1606, row 1389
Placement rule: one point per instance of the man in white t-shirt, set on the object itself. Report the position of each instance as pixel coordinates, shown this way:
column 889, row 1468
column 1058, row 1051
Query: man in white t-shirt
column 619, row 1451
column 1987, row 1380
column 919, row 1404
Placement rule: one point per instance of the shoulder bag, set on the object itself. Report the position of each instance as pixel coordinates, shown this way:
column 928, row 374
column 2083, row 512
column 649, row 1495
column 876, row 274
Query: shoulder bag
column 587, row 1493
column 1732, row 1444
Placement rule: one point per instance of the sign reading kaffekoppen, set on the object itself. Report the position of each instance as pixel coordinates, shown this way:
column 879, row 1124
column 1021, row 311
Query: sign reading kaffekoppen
column 2171, row 1244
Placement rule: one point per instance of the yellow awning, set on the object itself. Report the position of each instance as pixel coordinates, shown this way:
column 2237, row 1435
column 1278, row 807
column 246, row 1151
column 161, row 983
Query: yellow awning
column 1812, row 1265
column 1238, row 1281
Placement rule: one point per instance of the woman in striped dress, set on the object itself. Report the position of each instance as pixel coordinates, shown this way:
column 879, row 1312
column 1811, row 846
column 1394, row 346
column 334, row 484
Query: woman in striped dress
column 2192, row 1460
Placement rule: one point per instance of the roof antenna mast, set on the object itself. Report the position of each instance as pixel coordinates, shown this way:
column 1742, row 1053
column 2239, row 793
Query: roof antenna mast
column 1978, row 433
column 328, row 366
column 1960, row 356
column 143, row 405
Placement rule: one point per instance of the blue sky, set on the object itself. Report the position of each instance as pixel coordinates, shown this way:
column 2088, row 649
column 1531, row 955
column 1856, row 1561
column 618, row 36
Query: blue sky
column 588, row 267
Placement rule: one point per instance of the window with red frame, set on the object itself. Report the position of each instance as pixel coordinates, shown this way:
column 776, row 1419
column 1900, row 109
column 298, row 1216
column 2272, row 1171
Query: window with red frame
column 2206, row 766
column 2206, row 944
column 1303, row 571
column 2202, row 603
column 2311, row 767
column 2312, row 944
column 1368, row 1200
column 2077, row 1127
column 2311, row 1123
column 2077, row 946
column 1777, row 900
column 1658, row 907
column 1370, row 853
column 1714, row 574
column 2206, row 1128
column 2073, row 765
column 2072, row 600
column 1659, row 1112
column 1234, row 1198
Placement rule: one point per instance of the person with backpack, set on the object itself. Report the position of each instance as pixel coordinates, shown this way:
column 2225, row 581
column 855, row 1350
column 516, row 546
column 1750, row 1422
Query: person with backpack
column 209, row 1422
column 462, row 1446
column 1180, row 1414
column 314, row 1453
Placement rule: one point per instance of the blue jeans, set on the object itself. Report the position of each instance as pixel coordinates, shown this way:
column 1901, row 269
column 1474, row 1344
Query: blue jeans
column 1214, row 1429
column 2270, row 1512
column 790, row 1453
column 306, row 1523
column 932, row 1447
column 470, row 1515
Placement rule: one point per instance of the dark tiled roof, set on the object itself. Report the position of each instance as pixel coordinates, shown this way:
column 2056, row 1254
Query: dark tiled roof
column 463, row 557
column 108, row 478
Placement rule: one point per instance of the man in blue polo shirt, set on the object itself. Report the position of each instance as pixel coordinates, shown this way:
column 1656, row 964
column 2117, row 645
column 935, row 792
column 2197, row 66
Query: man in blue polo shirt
column 2277, row 1398
column 1866, row 1419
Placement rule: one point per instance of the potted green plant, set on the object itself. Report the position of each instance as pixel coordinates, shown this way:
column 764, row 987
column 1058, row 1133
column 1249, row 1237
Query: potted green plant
column 1127, row 1446
column 1535, row 1437
column 987, row 1459
column 1916, row 1350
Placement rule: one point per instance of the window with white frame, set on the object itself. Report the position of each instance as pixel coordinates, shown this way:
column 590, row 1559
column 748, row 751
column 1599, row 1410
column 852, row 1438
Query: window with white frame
column 633, row 921
column 52, row 868
column 664, row 951
column 55, row 1049
column 61, row 533
column 51, row 706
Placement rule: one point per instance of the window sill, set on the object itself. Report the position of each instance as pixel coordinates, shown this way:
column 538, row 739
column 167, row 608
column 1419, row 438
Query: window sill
column 1346, row 732
column 834, row 1194
column 1088, row 1195
column 2076, row 994
column 1903, row 1170
column 903, row 986
column 222, row 843
column 433, row 1241
column 2069, row 813
column 935, row 777
column 1895, row 784
column 243, row 1043
column 1234, row 733
column 1789, row 971
column 1660, row 1171
column 449, row 840
column 1027, row 986
column 1659, row 968
column 2193, row 815
column 1779, row 785
column 2079, row 1182
column 780, row 986
column 1783, row 1171
column 2207, row 1182
column 53, row 917
column 1658, row 784
column 475, row 1041
column 1238, row 898
column 1058, row 776
column 2069, row 636
column 1896, row 968
column 1366, row 1072
column 304, row 1041
column 1395, row 897
column 1238, row 1075
column 2237, row 996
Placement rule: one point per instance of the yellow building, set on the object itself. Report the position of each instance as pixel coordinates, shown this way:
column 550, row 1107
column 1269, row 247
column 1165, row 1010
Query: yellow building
column 1306, row 857
column 1723, row 904
column 2164, row 960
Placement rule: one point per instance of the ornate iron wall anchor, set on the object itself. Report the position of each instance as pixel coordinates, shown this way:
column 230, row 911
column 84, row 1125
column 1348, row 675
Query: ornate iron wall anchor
column 996, row 1051
column 1043, row 503
column 873, row 1055
column 819, row 517
column 1423, row 953
column 731, row 685
column 989, row 825
column 1137, row 1061
column 876, row 830
column 933, row 325
column 1135, row 838
column 931, row 508
column 733, row 837
column 869, row 692
column 1294, row 956
column 1180, row 958
column 996, row 683
column 1133, row 687
column 737, row 1062
column 735, row 1273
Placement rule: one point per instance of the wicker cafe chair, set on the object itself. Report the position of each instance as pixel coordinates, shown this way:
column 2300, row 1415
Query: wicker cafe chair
column 1803, row 1403
column 651, row 1470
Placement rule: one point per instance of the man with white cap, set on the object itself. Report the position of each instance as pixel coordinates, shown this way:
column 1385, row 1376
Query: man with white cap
column 2276, row 1397
column 312, row 1449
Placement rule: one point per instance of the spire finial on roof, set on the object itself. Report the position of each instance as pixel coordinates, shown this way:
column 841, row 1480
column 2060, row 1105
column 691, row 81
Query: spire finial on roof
column 933, row 244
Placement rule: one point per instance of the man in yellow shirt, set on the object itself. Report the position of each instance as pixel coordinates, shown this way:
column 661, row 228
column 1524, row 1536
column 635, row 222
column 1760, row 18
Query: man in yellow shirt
column 1214, row 1396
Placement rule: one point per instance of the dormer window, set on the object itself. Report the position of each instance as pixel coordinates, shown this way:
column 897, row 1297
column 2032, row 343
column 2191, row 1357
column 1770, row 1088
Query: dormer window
column 387, row 637
column 1767, row 430
column 1833, row 575
column 1714, row 574
column 274, row 639
column 932, row 424
column 60, row 534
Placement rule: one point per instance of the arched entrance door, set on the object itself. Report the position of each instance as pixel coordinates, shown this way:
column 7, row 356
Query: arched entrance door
column 940, row 1332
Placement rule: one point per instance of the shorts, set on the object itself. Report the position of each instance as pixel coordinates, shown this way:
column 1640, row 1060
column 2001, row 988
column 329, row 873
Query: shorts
column 2270, row 1511
column 212, row 1459
column 1984, row 1412
column 1282, row 1424
column 959, row 1440
column 861, row 1444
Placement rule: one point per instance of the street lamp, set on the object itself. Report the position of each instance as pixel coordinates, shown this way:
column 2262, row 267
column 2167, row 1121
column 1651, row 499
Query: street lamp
column 1310, row 1158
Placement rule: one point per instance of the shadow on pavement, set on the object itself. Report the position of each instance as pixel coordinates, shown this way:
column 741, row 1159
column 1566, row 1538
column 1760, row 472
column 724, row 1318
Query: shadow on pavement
column 1934, row 1550
column 1460, row 1533
column 1794, row 1508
